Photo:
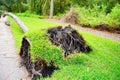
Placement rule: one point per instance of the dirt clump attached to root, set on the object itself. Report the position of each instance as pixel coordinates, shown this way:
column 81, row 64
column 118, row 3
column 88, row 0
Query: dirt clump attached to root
column 69, row 39
column 37, row 69
column 105, row 27
column 71, row 16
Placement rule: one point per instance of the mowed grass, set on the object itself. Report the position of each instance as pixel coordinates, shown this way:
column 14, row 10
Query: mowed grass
column 103, row 63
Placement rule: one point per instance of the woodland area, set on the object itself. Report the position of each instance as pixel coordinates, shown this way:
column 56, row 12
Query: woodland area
column 41, row 7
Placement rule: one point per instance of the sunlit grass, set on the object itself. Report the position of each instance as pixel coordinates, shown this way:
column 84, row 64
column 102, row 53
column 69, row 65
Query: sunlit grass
column 103, row 63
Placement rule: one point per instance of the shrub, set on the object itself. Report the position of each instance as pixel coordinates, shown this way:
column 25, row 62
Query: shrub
column 95, row 17
column 27, row 14
column 115, row 16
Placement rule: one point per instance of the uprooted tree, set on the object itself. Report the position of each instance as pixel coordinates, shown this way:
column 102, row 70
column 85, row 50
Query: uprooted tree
column 69, row 39
column 37, row 69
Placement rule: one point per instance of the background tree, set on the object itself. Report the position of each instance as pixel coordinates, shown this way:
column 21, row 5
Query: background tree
column 51, row 9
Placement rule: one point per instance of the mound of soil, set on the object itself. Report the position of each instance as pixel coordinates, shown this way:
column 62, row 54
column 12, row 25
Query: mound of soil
column 104, row 27
column 69, row 39
column 38, row 69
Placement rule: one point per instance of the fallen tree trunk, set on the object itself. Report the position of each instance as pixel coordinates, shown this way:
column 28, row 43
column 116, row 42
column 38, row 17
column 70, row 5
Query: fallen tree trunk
column 18, row 21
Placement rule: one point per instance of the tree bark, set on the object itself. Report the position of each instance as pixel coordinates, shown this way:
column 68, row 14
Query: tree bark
column 51, row 9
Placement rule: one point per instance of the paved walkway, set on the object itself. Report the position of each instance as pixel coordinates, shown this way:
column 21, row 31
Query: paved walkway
column 105, row 34
column 9, row 59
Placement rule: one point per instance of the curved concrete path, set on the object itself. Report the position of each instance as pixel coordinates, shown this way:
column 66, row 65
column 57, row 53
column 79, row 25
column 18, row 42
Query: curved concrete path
column 10, row 68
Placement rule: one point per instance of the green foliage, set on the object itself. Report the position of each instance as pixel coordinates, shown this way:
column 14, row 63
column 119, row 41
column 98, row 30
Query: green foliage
column 40, row 6
column 90, row 17
column 115, row 14
column 60, row 6
column 14, row 5
column 27, row 14
column 94, row 17
column 93, row 13
column 100, row 64
column 105, row 5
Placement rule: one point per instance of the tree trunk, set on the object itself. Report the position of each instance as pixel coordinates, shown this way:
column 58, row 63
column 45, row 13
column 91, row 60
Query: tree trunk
column 18, row 21
column 51, row 9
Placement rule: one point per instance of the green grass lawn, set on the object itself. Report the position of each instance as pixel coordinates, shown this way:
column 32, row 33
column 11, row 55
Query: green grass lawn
column 103, row 63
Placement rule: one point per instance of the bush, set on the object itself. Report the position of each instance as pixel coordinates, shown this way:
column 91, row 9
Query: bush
column 90, row 17
column 115, row 15
column 95, row 17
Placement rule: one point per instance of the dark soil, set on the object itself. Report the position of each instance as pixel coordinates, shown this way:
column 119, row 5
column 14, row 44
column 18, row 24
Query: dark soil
column 105, row 27
column 38, row 69
column 69, row 39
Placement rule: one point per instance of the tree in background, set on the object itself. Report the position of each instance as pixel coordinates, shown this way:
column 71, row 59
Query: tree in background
column 51, row 9
column 40, row 7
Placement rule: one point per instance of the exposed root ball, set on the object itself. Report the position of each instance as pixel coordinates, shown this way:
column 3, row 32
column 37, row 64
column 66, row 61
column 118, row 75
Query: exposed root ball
column 69, row 39
column 38, row 69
